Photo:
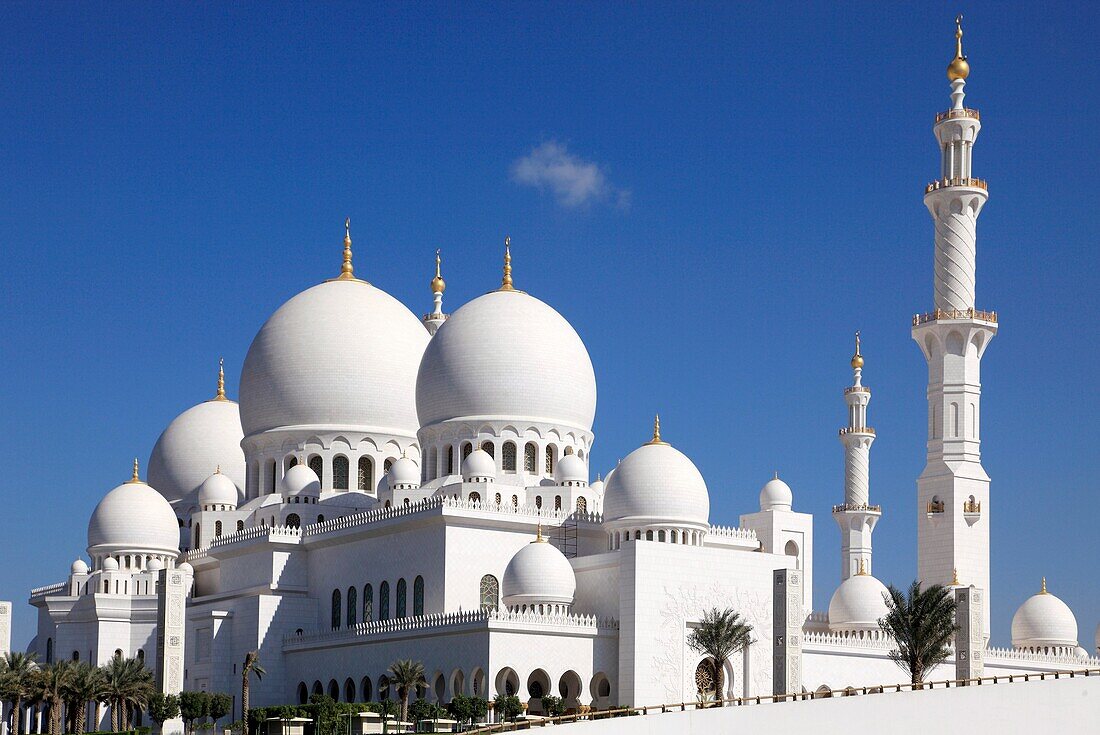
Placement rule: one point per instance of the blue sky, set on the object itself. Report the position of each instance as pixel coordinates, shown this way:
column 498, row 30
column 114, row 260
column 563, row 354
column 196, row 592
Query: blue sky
column 716, row 196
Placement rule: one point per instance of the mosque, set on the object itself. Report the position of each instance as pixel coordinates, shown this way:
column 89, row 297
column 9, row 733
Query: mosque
column 394, row 487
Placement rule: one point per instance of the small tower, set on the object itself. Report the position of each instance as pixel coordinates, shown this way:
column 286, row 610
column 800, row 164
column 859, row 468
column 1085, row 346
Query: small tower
column 434, row 320
column 953, row 489
column 856, row 517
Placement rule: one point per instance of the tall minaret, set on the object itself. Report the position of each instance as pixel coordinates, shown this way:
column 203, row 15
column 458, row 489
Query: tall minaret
column 435, row 319
column 953, row 489
column 856, row 517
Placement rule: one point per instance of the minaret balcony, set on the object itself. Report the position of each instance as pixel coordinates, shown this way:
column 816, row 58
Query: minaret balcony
column 857, row 389
column 857, row 430
column 941, row 314
column 972, row 511
column 857, row 507
column 936, row 507
column 951, row 114
column 946, row 183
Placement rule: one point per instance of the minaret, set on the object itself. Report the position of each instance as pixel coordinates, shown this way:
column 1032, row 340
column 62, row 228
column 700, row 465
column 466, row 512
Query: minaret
column 434, row 320
column 856, row 517
column 953, row 489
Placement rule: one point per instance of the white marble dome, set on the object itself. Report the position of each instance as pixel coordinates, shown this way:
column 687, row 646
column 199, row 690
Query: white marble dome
column 218, row 490
column 79, row 567
column 300, row 480
column 110, row 565
column 340, row 355
column 404, row 472
column 133, row 518
column 478, row 466
column 538, row 574
column 507, row 355
column 776, row 495
column 155, row 565
column 1044, row 621
column 193, row 445
column 570, row 468
column 857, row 604
column 656, row 484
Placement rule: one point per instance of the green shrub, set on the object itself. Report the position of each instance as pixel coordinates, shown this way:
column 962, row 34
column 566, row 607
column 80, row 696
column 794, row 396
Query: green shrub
column 507, row 707
column 553, row 706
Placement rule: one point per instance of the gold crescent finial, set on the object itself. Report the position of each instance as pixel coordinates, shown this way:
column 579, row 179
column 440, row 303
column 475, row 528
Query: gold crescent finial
column 347, row 271
column 1043, row 591
column 506, row 282
column 220, row 395
column 857, row 359
column 135, row 477
column 438, row 284
column 954, row 577
column 959, row 68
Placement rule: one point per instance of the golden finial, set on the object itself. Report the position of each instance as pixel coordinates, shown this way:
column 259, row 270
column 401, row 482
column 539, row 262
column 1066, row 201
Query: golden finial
column 656, row 431
column 955, row 578
column 857, row 359
column 506, row 282
column 538, row 534
column 218, row 470
column 347, row 271
column 862, row 569
column 135, row 477
column 958, row 68
column 1043, row 591
column 220, row 395
column 438, row 284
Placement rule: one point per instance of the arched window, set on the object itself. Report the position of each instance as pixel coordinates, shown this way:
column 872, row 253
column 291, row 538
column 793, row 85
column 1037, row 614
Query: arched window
column 198, row 532
column 291, row 461
column 293, row 521
column 387, row 464
column 366, row 474
column 320, row 519
column 366, row 689
column 49, row 650
column 384, row 601
column 217, row 529
column 549, row 464
column 791, row 549
column 450, row 460
column 489, row 448
column 401, row 587
column 475, row 497
column 76, row 655
column 349, row 691
column 334, row 690
column 557, row 502
column 240, row 526
column 568, row 451
column 582, row 505
column 490, row 593
column 418, row 596
column 508, row 457
column 271, row 477
column 538, row 501
column 341, row 471
column 368, row 603
column 335, row 609
column 530, row 457
column 303, row 693
column 318, row 466
column 466, row 449
column 353, row 605
column 515, row 501
column 496, row 498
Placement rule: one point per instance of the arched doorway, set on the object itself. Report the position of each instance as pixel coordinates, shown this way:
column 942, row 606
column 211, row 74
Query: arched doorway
column 538, row 686
column 507, row 682
column 709, row 680
column 600, row 691
column 569, row 689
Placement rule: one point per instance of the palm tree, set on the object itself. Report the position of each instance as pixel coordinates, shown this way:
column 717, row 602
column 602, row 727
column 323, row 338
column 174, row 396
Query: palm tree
column 922, row 624
column 85, row 685
column 16, row 677
column 126, row 683
column 406, row 675
column 720, row 635
column 251, row 666
column 49, row 685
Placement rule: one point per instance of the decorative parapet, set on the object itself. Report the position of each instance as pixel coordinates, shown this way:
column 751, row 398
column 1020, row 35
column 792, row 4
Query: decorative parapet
column 938, row 314
column 441, row 621
column 875, row 639
column 857, row 430
column 50, row 589
column 1063, row 655
column 844, row 507
column 857, row 389
column 738, row 534
column 947, row 183
column 952, row 114
column 272, row 534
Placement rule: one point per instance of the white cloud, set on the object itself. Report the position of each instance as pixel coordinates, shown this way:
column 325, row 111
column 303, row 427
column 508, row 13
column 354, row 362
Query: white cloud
column 573, row 181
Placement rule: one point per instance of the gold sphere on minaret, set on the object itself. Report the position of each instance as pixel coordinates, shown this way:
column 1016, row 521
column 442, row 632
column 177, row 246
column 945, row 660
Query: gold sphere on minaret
column 438, row 284
column 958, row 68
column 857, row 359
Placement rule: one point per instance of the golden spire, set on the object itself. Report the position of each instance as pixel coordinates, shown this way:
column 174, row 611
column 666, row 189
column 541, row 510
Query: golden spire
column 218, row 470
column 958, row 68
column 656, row 431
column 347, row 271
column 857, row 359
column 538, row 534
column 438, row 284
column 1043, row 591
column 506, row 282
column 955, row 578
column 135, row 478
column 220, row 395
column 862, row 569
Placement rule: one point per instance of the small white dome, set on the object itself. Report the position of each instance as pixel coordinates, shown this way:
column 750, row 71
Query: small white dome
column 133, row 518
column 597, row 487
column 340, row 354
column 300, row 480
column 110, row 564
column 218, row 490
column 79, row 567
column 656, row 483
column 1044, row 621
column 776, row 495
column 857, row 604
column 186, row 568
column 571, row 468
column 538, row 574
column 404, row 472
column 478, row 465
column 194, row 443
column 155, row 565
column 546, row 377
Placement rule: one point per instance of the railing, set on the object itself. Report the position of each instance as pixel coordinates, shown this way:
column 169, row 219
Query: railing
column 744, row 534
column 972, row 506
column 964, row 112
column 49, row 589
column 856, row 506
column 936, row 506
column 956, row 181
column 856, row 430
column 1060, row 654
column 937, row 314
column 856, row 389
column 778, row 698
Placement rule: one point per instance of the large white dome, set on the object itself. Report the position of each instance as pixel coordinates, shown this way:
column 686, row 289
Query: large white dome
column 195, row 443
column 507, row 355
column 538, row 574
column 857, row 604
column 656, row 484
column 1044, row 621
column 340, row 355
column 133, row 518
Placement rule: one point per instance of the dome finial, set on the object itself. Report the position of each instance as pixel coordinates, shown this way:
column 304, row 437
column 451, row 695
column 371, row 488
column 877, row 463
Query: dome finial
column 959, row 68
column 347, row 271
column 1043, row 591
column 862, row 569
column 506, row 282
column 538, row 534
column 220, row 395
column 857, row 358
column 135, row 478
column 438, row 284
column 955, row 578
column 656, row 431
column 218, row 470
